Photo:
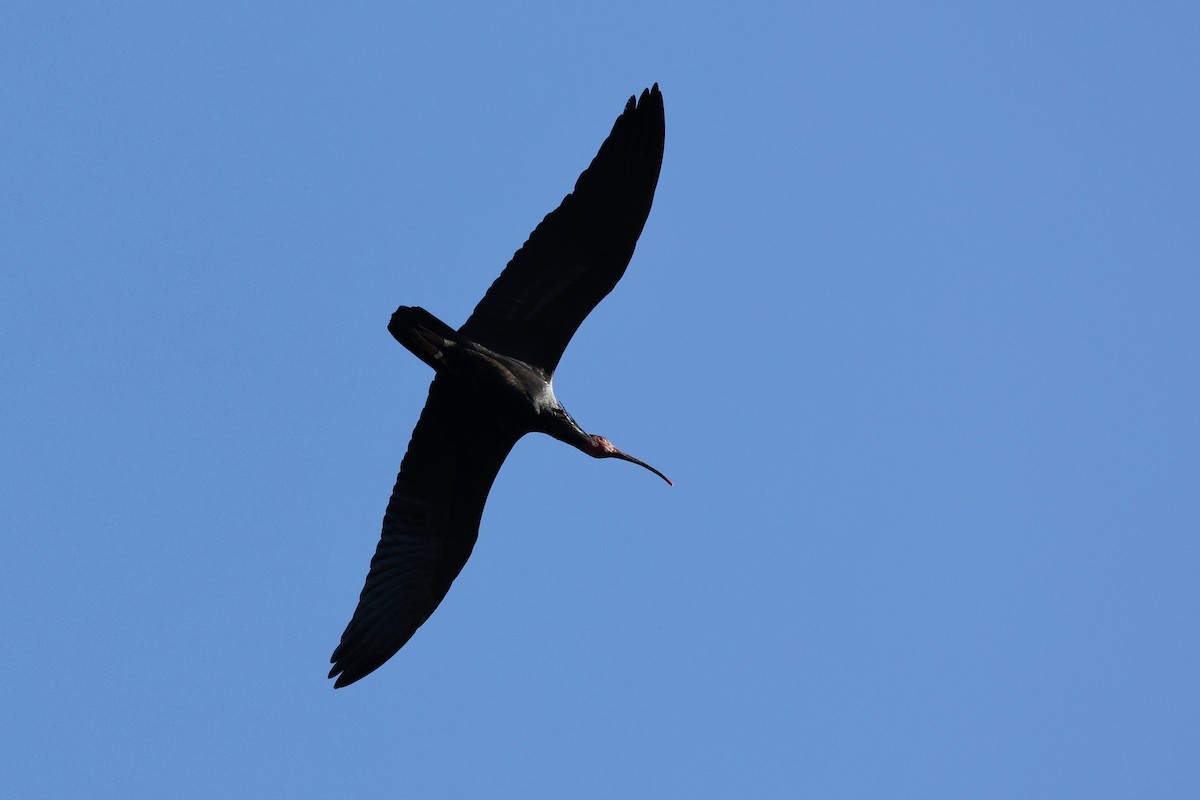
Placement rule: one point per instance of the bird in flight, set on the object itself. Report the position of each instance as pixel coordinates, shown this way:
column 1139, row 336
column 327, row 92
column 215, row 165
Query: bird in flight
column 494, row 384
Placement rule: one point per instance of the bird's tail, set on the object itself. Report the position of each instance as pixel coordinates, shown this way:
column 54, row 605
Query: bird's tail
column 424, row 335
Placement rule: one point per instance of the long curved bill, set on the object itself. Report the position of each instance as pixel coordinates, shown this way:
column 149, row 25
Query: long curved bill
column 626, row 457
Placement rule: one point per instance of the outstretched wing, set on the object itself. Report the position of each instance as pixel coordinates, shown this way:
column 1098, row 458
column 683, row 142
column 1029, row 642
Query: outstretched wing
column 429, row 529
column 580, row 250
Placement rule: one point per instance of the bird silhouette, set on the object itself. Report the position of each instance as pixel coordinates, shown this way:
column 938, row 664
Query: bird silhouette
column 494, row 383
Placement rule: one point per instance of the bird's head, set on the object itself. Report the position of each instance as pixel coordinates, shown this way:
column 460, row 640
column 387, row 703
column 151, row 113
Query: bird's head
column 603, row 448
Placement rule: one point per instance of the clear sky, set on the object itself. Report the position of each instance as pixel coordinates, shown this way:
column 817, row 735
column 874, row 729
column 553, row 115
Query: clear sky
column 914, row 326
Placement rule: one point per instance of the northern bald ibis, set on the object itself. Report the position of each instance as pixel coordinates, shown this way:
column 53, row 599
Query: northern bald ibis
column 494, row 384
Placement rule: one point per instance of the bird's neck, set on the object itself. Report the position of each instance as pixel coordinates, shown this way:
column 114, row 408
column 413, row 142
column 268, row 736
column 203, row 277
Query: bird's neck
column 556, row 422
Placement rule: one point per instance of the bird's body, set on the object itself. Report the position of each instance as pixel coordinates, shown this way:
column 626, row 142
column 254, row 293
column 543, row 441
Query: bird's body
column 494, row 383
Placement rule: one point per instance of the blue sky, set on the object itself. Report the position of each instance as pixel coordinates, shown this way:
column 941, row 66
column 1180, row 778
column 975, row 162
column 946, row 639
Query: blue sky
column 913, row 326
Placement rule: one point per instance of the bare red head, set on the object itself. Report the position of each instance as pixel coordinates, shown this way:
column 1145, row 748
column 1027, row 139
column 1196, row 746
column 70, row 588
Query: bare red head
column 603, row 448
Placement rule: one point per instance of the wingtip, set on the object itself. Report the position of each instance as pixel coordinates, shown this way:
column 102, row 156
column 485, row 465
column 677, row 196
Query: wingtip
column 343, row 678
column 335, row 671
column 635, row 101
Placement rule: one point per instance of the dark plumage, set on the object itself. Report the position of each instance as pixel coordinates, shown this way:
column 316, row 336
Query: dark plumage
column 493, row 385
